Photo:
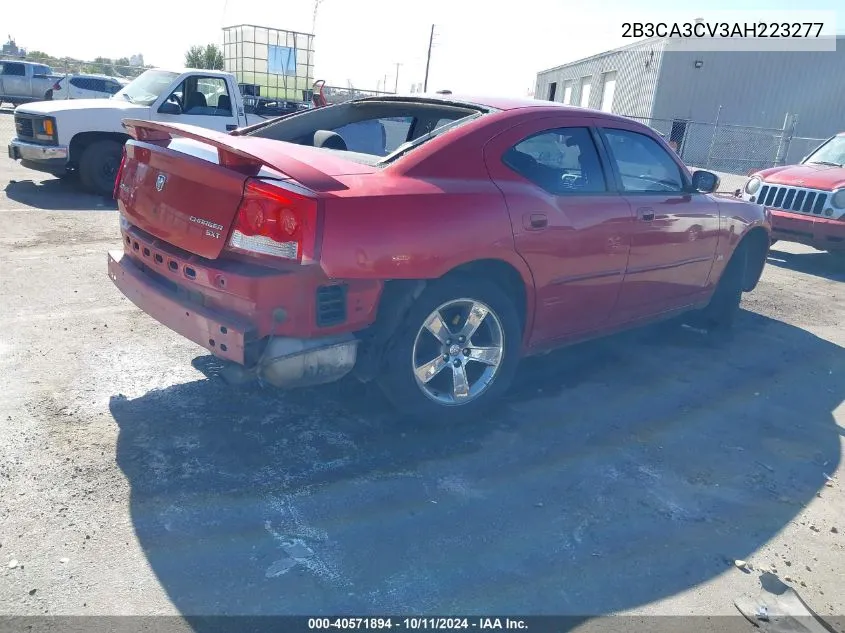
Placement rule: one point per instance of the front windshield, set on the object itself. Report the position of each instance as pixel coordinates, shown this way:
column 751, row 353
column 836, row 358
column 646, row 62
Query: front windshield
column 147, row 87
column 831, row 153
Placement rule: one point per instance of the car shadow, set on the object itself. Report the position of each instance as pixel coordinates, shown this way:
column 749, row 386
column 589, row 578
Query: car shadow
column 617, row 473
column 819, row 263
column 54, row 194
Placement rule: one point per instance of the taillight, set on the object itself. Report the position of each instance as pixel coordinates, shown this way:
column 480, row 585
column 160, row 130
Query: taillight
column 116, row 190
column 275, row 221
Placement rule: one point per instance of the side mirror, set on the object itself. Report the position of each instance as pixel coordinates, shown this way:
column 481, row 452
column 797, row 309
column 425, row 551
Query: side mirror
column 705, row 181
column 168, row 107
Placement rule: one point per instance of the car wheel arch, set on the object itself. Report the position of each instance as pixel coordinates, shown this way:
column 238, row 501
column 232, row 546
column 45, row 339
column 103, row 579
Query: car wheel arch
column 756, row 241
column 82, row 140
column 398, row 295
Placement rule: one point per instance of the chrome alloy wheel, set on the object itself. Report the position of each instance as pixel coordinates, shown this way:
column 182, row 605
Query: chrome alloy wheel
column 458, row 351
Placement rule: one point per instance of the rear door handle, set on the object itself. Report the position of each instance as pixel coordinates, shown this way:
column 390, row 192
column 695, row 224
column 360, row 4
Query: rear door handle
column 645, row 214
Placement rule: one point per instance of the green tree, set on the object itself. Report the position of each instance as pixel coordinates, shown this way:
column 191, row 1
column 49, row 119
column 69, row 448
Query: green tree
column 209, row 57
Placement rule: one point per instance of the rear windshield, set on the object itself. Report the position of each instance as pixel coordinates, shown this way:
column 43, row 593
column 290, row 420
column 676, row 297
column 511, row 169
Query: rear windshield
column 371, row 131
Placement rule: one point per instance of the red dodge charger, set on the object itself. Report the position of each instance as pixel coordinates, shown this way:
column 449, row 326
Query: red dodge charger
column 426, row 242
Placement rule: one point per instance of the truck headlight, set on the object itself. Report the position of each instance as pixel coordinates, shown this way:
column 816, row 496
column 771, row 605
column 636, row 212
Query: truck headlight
column 753, row 185
column 45, row 129
column 838, row 199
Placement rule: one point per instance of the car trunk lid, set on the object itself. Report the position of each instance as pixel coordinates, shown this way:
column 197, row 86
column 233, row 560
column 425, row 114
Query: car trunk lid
column 183, row 184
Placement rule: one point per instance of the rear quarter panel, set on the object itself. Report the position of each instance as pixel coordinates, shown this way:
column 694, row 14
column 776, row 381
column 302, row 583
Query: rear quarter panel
column 429, row 212
column 410, row 228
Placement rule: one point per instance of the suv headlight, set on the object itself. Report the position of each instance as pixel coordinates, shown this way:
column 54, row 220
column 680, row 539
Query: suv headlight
column 838, row 199
column 753, row 185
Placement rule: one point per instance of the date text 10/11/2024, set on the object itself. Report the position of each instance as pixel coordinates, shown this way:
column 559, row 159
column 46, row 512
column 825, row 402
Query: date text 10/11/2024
column 418, row 623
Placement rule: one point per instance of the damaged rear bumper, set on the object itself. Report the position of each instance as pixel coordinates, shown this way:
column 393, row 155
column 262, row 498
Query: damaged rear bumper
column 281, row 361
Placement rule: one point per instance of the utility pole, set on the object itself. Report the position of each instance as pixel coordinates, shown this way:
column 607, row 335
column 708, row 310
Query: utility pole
column 396, row 85
column 428, row 59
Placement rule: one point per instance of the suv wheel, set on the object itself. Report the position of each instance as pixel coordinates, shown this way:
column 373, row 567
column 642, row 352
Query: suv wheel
column 456, row 351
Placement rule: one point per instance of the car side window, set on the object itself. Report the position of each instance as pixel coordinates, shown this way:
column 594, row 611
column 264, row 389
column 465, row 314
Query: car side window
column 216, row 94
column 203, row 96
column 379, row 137
column 13, row 69
column 562, row 161
column 643, row 164
column 83, row 83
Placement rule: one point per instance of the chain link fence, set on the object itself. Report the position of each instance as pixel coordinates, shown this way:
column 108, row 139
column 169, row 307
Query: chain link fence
column 732, row 149
column 335, row 94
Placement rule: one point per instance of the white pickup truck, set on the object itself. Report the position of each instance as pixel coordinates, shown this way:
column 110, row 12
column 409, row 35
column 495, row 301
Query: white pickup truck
column 87, row 135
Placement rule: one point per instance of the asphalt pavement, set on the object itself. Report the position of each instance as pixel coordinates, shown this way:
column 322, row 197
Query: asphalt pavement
column 622, row 476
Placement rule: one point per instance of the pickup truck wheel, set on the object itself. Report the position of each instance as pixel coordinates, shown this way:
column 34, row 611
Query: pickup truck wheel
column 99, row 165
column 48, row 96
column 720, row 313
column 456, row 351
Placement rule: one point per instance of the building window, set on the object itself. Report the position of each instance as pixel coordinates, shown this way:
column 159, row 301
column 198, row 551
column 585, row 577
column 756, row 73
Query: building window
column 552, row 90
column 608, row 91
column 567, row 93
column 585, row 92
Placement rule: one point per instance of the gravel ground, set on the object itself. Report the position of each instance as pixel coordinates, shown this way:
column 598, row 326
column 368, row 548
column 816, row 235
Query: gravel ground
column 621, row 476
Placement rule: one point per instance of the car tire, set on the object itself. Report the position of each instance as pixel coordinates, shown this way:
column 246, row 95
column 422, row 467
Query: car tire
column 498, row 333
column 720, row 313
column 48, row 96
column 98, row 166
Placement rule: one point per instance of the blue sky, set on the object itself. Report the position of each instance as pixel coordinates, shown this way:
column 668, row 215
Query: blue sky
column 480, row 47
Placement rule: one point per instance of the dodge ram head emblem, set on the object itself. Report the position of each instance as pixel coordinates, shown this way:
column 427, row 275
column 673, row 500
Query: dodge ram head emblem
column 160, row 182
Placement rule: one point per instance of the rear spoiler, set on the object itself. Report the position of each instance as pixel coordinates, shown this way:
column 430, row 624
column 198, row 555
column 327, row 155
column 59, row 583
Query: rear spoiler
column 234, row 152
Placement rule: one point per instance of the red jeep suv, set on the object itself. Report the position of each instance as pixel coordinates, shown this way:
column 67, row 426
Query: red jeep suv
column 807, row 200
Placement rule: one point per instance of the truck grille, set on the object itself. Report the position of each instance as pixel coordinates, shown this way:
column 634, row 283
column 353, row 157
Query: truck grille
column 331, row 305
column 795, row 199
column 23, row 127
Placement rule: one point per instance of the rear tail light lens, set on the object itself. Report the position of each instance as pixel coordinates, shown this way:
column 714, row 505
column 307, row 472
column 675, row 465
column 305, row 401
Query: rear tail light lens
column 116, row 191
column 275, row 221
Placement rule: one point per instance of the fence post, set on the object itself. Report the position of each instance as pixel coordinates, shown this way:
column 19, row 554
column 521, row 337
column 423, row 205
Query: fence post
column 786, row 135
column 713, row 138
column 687, row 125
